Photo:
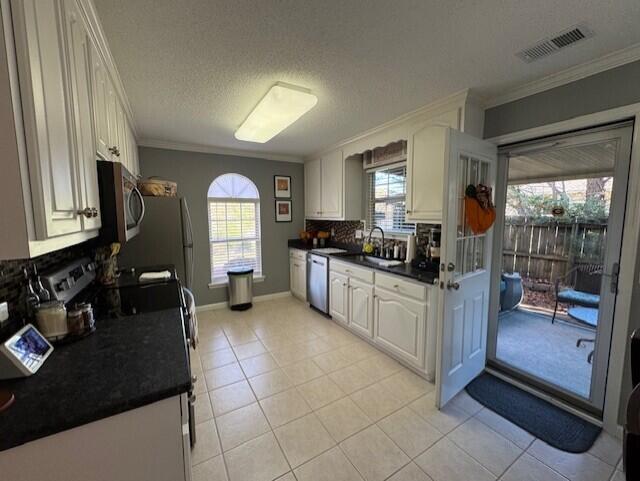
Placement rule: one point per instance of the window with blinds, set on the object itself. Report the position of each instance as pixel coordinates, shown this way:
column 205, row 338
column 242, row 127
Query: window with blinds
column 234, row 226
column 387, row 190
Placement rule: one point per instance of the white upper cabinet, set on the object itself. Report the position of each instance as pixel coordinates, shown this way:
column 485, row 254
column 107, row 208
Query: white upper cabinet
column 312, row 188
column 333, row 187
column 78, row 46
column 61, row 113
column 426, row 154
column 48, row 118
column 101, row 86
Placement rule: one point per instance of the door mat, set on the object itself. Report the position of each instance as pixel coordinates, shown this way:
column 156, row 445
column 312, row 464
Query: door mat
column 542, row 419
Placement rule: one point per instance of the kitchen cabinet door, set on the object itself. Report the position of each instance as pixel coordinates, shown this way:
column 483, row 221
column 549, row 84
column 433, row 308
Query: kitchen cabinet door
column 77, row 48
column 48, row 118
column 298, row 278
column 361, row 307
column 112, row 121
column 332, row 186
column 100, row 84
column 338, row 297
column 312, row 188
column 426, row 156
column 133, row 152
column 400, row 326
column 121, row 135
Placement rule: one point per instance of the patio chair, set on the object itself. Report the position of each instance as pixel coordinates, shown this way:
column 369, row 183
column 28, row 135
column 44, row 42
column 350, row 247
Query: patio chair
column 586, row 290
column 585, row 295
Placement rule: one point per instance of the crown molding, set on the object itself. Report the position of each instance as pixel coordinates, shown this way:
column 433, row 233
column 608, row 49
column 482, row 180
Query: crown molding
column 210, row 149
column 601, row 64
column 442, row 104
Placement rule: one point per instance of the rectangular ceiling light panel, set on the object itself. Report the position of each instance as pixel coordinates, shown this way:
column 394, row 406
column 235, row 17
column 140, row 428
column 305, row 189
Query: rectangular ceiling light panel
column 280, row 107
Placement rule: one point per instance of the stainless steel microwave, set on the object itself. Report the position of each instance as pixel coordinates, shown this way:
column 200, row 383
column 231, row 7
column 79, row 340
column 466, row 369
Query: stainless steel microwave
column 121, row 203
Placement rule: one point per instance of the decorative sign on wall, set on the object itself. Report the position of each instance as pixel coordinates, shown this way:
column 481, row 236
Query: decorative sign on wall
column 283, row 211
column 282, row 186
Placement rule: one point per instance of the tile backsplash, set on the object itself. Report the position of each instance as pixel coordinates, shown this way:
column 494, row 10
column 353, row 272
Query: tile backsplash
column 12, row 279
column 344, row 232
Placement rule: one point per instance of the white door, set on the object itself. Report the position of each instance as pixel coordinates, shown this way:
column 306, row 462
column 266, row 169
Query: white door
column 338, row 297
column 462, row 324
column 331, row 198
column 361, row 307
column 400, row 326
column 312, row 181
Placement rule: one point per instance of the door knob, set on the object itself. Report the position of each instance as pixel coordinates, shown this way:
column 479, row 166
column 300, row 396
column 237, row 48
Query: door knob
column 87, row 212
column 453, row 285
column 94, row 212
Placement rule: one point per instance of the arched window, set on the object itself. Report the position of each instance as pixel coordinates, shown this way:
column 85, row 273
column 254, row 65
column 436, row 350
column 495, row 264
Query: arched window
column 234, row 226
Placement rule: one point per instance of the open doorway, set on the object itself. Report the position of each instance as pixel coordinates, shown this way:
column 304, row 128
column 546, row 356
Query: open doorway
column 552, row 320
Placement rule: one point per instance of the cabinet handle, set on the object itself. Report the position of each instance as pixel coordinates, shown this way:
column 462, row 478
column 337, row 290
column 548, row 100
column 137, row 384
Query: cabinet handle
column 408, row 211
column 344, row 284
column 87, row 212
column 94, row 212
column 396, row 286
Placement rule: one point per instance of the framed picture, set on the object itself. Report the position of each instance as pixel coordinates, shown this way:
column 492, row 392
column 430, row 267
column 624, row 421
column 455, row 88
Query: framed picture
column 283, row 211
column 282, row 186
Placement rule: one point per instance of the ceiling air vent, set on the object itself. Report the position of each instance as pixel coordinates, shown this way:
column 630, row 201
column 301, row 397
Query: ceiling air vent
column 552, row 45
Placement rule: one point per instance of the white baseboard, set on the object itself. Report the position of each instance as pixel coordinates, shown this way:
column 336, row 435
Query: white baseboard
column 225, row 304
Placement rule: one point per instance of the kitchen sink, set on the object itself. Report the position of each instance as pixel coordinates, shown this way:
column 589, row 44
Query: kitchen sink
column 378, row 261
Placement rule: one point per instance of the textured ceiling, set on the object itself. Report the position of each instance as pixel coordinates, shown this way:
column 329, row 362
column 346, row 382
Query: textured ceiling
column 194, row 69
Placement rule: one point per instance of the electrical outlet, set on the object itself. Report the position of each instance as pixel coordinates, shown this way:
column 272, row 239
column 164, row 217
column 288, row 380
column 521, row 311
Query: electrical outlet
column 4, row 312
column 358, row 233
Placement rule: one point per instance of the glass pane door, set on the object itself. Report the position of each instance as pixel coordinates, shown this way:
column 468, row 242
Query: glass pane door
column 562, row 235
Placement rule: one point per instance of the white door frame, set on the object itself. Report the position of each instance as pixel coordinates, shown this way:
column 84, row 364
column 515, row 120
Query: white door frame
column 601, row 348
column 619, row 340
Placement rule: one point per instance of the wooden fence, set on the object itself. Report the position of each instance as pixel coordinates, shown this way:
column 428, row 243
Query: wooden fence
column 546, row 250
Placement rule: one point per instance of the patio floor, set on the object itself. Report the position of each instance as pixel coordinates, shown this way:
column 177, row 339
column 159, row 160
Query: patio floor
column 529, row 342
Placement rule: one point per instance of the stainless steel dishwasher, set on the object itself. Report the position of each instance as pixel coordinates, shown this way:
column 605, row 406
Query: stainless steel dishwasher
column 318, row 282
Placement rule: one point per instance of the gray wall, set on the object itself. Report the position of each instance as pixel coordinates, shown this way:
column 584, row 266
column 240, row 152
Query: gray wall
column 194, row 172
column 607, row 90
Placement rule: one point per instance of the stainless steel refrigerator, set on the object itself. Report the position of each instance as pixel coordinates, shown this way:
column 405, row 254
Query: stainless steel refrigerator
column 165, row 237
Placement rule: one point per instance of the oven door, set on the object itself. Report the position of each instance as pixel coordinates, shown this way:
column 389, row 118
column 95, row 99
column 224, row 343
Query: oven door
column 133, row 205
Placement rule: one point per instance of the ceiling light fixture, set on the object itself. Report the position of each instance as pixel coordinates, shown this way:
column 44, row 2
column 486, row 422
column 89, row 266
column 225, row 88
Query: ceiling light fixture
column 282, row 105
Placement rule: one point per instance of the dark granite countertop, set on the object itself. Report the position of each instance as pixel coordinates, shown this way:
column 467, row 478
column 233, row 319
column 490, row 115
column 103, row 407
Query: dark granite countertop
column 404, row 270
column 127, row 363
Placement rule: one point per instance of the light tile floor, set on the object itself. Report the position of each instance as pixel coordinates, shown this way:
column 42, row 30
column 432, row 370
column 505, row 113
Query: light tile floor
column 286, row 394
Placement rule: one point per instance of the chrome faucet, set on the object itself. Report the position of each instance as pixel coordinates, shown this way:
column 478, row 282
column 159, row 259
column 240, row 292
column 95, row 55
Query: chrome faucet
column 381, row 232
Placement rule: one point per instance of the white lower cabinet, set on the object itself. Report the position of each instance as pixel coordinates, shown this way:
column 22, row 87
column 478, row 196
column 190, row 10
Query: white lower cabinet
column 143, row 443
column 396, row 314
column 339, row 297
column 361, row 307
column 298, row 274
column 400, row 326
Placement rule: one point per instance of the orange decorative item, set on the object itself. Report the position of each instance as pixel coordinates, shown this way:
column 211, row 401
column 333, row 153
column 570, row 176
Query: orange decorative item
column 480, row 214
